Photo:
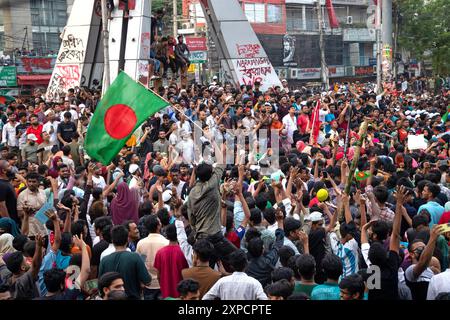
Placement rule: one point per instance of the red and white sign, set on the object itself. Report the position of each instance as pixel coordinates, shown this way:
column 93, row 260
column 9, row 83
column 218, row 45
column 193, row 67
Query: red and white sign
column 196, row 43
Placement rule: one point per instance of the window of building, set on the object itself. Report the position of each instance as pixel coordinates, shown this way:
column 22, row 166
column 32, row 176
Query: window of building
column 52, row 13
column 274, row 13
column 255, row 12
column 294, row 19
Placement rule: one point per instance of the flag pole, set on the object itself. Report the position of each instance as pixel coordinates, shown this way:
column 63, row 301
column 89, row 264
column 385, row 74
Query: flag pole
column 347, row 133
column 311, row 138
column 362, row 135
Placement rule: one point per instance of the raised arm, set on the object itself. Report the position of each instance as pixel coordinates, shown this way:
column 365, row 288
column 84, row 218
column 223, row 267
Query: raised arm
column 293, row 173
column 427, row 253
column 394, row 243
column 51, row 214
column 25, row 222
column 223, row 206
column 347, row 212
column 111, row 187
column 85, row 262
column 37, row 258
column 240, row 196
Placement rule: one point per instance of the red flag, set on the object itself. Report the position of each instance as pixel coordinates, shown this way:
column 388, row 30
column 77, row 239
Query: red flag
column 131, row 4
column 315, row 124
column 334, row 23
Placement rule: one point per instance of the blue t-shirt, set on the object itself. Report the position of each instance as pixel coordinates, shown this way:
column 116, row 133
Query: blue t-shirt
column 51, row 260
column 326, row 291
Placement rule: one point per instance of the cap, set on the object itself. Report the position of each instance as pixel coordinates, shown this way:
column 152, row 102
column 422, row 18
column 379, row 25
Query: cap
column 214, row 78
column 167, row 195
column 314, row 216
column 31, row 136
column 133, row 168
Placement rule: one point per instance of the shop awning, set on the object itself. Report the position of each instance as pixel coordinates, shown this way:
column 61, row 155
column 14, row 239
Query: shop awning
column 35, row 79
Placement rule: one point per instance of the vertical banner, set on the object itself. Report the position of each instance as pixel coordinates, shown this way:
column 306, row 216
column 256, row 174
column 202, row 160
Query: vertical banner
column 386, row 62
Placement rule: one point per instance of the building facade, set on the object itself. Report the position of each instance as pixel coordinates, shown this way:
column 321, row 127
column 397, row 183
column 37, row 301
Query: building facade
column 289, row 32
column 33, row 25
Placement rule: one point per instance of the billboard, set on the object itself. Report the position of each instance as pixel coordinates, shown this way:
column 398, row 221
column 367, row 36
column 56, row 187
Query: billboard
column 8, row 76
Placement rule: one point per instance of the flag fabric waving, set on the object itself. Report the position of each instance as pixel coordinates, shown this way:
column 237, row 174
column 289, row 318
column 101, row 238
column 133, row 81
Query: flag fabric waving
column 315, row 119
column 361, row 175
column 124, row 107
column 4, row 99
column 334, row 23
column 445, row 116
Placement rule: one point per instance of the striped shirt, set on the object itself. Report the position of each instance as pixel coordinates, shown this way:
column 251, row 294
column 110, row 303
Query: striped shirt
column 238, row 286
column 347, row 252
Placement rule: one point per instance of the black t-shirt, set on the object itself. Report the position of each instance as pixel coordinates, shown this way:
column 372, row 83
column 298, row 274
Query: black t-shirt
column 68, row 294
column 166, row 127
column 317, row 243
column 22, row 128
column 8, row 195
column 67, row 130
column 389, row 280
column 97, row 251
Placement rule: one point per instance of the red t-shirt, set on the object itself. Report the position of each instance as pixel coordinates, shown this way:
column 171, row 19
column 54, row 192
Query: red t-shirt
column 302, row 121
column 169, row 261
column 37, row 132
column 445, row 218
column 234, row 239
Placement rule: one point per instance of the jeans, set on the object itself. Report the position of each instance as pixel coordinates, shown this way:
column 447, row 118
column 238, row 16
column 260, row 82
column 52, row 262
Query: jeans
column 152, row 294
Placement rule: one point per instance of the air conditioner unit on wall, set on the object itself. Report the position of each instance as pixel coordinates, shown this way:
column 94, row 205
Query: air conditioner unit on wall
column 349, row 20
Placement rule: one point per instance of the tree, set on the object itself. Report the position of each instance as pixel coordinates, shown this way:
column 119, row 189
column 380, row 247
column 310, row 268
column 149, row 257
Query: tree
column 424, row 27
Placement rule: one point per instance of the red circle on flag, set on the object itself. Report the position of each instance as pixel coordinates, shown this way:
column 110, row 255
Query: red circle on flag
column 120, row 121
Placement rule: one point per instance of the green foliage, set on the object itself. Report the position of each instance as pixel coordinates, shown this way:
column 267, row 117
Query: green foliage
column 425, row 26
column 167, row 4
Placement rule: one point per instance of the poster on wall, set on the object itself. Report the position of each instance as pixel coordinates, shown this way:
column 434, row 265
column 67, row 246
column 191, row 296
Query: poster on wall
column 254, row 70
column 289, row 51
column 69, row 62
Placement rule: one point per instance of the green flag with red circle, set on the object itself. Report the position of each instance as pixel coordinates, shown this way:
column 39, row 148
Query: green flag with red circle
column 124, row 107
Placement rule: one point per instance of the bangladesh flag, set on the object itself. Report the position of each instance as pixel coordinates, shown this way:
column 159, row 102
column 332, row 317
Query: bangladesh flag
column 5, row 99
column 124, row 107
column 445, row 116
column 361, row 175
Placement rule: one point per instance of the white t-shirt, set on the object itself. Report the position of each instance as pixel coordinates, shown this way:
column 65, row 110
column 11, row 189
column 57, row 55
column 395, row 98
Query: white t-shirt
column 99, row 182
column 322, row 114
column 291, row 125
column 186, row 147
column 48, row 127
column 348, row 252
column 74, row 114
column 109, row 250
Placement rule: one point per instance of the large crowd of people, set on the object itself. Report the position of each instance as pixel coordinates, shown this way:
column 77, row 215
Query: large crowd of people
column 174, row 216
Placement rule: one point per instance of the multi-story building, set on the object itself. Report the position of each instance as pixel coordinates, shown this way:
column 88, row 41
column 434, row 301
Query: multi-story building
column 289, row 32
column 33, row 24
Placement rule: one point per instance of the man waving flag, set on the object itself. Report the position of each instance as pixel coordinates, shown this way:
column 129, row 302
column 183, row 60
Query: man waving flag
column 124, row 107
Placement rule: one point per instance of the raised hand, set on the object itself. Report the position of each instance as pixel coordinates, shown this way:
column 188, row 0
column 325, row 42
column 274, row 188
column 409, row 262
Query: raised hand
column 63, row 207
column 78, row 241
column 51, row 214
column 401, row 195
column 279, row 216
column 40, row 241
